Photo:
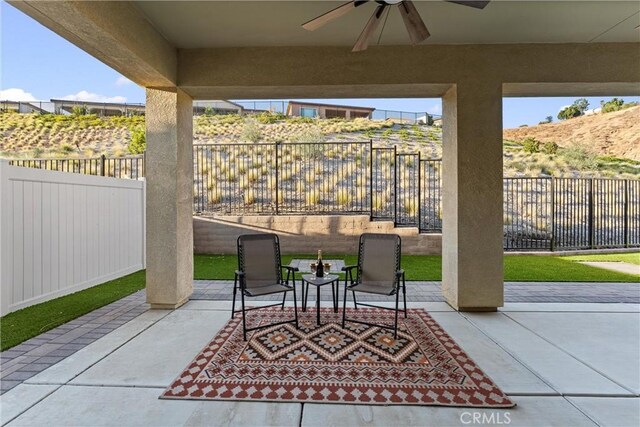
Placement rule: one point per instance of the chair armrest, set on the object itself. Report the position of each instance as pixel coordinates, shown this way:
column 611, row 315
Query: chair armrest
column 239, row 273
column 349, row 267
column 288, row 267
column 400, row 273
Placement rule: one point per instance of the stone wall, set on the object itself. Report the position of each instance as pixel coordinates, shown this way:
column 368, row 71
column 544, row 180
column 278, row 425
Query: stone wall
column 305, row 234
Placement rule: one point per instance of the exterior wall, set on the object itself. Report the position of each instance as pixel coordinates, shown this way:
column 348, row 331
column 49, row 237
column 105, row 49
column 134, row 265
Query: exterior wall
column 294, row 109
column 62, row 232
column 304, row 234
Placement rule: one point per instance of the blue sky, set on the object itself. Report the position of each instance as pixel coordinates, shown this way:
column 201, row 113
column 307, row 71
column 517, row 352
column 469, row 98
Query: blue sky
column 36, row 63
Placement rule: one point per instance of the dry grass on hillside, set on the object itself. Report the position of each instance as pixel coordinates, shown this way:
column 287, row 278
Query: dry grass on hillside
column 614, row 134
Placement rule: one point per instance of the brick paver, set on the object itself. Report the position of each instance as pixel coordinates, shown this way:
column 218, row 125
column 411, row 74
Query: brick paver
column 37, row 354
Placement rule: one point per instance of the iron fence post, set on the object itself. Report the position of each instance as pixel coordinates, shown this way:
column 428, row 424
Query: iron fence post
column 102, row 160
column 395, row 186
column 553, row 215
column 371, row 178
column 591, row 213
column 277, row 144
column 626, row 213
column 419, row 192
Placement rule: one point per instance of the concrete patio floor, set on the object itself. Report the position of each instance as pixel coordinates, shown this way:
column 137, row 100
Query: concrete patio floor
column 564, row 364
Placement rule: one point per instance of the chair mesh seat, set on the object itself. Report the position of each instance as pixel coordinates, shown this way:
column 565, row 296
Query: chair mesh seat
column 268, row 289
column 373, row 288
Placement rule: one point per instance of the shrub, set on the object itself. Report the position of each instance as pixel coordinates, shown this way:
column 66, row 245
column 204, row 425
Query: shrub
column 580, row 158
column 614, row 105
column 214, row 195
column 249, row 197
column 79, row 110
column 312, row 134
column 531, row 145
column 267, row 117
column 550, row 147
column 312, row 197
column 404, row 134
column 387, row 133
column 138, row 142
column 343, row 197
column 251, row 131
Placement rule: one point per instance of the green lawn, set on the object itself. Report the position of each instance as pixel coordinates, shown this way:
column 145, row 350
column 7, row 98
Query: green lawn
column 21, row 325
column 517, row 268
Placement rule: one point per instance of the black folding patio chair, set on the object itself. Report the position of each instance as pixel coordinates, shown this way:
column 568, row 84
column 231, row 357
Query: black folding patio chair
column 260, row 273
column 378, row 272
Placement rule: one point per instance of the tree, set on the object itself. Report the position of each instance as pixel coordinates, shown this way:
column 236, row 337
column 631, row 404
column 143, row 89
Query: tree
column 614, row 105
column 581, row 104
column 576, row 109
column 546, row 120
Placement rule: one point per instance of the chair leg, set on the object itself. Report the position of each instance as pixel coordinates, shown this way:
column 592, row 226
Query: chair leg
column 244, row 318
column 283, row 299
column 344, row 305
column 295, row 305
column 395, row 327
column 404, row 296
column 355, row 303
column 235, row 290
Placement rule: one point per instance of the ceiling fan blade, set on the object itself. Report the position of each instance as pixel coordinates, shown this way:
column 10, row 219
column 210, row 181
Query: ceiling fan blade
column 325, row 18
column 367, row 33
column 415, row 25
column 471, row 3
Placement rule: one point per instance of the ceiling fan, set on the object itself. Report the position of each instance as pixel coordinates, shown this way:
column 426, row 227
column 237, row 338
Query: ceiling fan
column 415, row 26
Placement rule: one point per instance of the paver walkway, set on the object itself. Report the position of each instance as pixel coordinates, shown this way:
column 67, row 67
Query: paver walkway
column 37, row 354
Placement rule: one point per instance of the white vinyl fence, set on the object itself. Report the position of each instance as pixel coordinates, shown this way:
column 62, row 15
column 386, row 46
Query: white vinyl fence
column 64, row 232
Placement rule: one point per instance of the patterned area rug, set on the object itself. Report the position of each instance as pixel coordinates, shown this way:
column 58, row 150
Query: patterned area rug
column 328, row 364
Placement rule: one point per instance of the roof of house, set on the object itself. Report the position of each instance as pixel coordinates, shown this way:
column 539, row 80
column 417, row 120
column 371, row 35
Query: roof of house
column 101, row 104
column 351, row 107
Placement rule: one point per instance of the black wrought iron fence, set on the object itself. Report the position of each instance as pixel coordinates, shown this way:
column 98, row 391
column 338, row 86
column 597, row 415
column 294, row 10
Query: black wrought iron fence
column 358, row 178
column 130, row 167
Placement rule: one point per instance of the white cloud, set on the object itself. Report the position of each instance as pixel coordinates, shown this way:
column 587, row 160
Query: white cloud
column 435, row 109
column 123, row 81
column 15, row 94
column 83, row 95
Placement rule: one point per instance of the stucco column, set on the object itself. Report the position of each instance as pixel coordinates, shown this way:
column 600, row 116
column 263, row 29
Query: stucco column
column 472, row 265
column 169, row 175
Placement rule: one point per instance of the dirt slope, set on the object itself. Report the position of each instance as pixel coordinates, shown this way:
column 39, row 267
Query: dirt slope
column 614, row 134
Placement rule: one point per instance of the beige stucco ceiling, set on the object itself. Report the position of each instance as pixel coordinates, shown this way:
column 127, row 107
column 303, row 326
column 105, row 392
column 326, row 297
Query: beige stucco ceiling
column 198, row 24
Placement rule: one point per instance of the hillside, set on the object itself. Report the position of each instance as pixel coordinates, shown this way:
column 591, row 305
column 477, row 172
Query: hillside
column 30, row 135
column 615, row 134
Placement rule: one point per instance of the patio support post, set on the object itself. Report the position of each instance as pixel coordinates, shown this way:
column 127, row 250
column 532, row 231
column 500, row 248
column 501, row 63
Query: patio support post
column 169, row 157
column 472, row 265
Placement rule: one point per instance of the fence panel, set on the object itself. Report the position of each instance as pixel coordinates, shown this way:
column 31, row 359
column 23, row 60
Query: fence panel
column 527, row 213
column 130, row 167
column 61, row 233
column 572, row 213
column 383, row 183
column 282, row 178
column 608, row 213
column 430, row 196
column 408, row 190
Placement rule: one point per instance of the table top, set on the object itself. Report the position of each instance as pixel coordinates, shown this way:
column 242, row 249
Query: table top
column 319, row 281
column 304, row 265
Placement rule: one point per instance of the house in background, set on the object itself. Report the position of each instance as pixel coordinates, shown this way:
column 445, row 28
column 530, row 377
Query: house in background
column 63, row 106
column 327, row 111
column 21, row 107
column 217, row 107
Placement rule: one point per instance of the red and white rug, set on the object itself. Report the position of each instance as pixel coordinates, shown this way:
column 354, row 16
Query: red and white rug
column 328, row 364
